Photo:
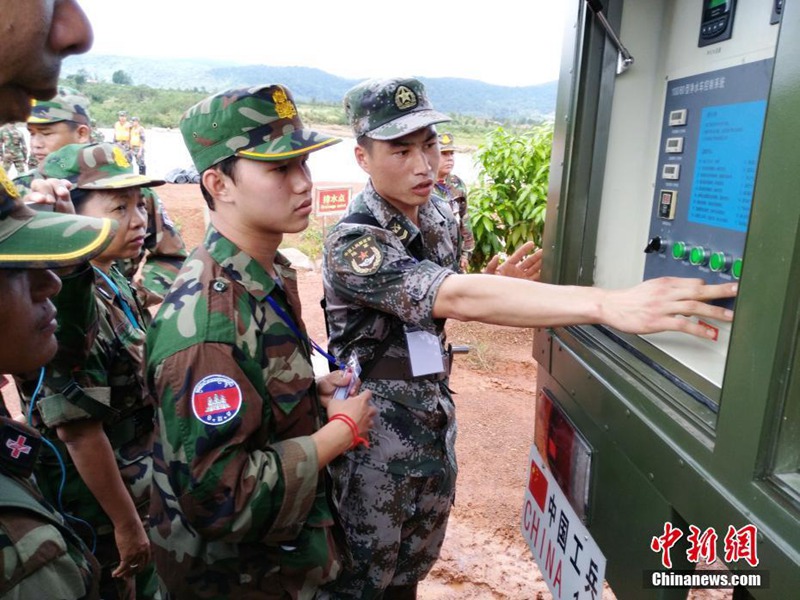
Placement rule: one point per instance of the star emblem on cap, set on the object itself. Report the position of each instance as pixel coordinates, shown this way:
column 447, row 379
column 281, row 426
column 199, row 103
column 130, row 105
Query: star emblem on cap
column 404, row 98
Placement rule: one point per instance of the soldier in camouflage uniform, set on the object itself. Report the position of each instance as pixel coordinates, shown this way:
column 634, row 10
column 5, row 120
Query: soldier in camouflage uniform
column 14, row 150
column 390, row 271
column 451, row 188
column 96, row 137
column 40, row 555
column 65, row 120
column 97, row 410
column 137, row 144
column 240, row 505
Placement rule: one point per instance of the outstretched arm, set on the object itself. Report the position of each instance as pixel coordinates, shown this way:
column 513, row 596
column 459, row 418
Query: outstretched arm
column 652, row 306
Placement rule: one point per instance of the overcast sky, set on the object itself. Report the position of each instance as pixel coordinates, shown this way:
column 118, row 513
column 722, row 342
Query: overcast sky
column 517, row 42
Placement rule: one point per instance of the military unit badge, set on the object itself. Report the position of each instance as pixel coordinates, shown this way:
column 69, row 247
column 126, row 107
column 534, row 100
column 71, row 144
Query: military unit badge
column 363, row 256
column 216, row 399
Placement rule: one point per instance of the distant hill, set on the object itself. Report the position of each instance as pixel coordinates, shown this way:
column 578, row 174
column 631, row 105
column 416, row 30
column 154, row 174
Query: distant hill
column 450, row 95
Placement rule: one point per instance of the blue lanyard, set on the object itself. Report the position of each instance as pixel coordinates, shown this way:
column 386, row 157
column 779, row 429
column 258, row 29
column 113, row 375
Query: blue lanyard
column 126, row 308
column 288, row 320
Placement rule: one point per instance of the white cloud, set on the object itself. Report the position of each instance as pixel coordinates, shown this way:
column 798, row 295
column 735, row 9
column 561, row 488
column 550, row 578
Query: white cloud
column 506, row 42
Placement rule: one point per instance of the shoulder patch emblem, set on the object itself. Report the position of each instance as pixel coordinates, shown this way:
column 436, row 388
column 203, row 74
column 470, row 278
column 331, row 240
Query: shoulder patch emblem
column 216, row 399
column 364, row 256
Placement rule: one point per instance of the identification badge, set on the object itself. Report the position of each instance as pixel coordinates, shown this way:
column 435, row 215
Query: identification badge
column 343, row 391
column 424, row 353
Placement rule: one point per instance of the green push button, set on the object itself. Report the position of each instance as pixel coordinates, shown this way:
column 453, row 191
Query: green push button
column 698, row 256
column 679, row 251
column 719, row 262
column 736, row 270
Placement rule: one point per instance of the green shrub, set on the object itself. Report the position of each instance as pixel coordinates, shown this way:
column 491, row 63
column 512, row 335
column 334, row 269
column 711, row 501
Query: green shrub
column 507, row 203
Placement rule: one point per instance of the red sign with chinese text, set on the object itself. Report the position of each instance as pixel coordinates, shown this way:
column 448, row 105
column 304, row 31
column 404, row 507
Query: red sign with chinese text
column 330, row 201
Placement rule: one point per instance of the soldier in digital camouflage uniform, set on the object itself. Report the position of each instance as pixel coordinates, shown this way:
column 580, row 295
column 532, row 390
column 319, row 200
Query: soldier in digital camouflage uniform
column 240, row 501
column 14, row 152
column 97, row 410
column 451, row 188
column 40, row 555
column 65, row 120
column 390, row 271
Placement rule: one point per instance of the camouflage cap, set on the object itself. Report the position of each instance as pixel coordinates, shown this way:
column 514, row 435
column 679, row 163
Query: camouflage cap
column 94, row 167
column 46, row 240
column 390, row 108
column 260, row 123
column 446, row 142
column 67, row 105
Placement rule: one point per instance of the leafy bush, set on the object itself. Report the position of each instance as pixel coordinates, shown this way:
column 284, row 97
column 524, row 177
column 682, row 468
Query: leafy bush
column 507, row 203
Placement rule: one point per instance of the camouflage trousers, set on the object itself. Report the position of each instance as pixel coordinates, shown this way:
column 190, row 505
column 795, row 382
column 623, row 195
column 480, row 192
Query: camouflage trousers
column 138, row 155
column 17, row 161
column 395, row 526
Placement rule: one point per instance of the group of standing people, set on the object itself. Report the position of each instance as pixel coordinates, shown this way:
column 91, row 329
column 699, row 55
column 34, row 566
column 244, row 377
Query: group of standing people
column 130, row 136
column 201, row 455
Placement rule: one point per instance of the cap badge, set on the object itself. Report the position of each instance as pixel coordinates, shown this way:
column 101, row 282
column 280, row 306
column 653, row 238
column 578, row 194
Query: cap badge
column 446, row 139
column 119, row 158
column 9, row 187
column 404, row 98
column 283, row 106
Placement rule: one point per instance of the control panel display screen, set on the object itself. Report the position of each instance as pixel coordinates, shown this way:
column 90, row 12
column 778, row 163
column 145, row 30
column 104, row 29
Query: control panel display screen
column 703, row 194
column 729, row 138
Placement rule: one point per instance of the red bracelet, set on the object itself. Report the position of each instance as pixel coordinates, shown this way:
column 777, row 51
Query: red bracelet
column 357, row 439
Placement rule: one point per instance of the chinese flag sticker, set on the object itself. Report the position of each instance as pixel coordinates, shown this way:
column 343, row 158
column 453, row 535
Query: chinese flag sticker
column 538, row 485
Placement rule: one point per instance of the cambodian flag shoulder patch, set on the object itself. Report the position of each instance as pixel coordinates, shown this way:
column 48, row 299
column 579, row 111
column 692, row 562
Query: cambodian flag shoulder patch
column 216, row 399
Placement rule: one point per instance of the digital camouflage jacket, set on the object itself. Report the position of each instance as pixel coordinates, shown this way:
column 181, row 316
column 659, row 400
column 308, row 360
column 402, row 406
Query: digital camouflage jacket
column 378, row 281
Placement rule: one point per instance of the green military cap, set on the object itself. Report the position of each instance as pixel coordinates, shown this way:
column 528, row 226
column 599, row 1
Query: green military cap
column 390, row 108
column 446, row 142
column 260, row 123
column 45, row 240
column 67, row 105
column 94, row 167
